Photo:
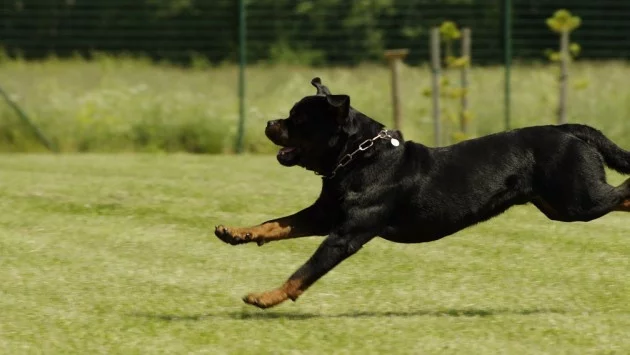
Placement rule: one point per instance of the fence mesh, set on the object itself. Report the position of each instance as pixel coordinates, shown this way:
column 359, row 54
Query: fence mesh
column 318, row 32
column 149, row 107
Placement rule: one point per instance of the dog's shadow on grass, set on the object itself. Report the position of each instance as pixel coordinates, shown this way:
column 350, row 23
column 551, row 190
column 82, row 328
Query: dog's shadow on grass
column 297, row 316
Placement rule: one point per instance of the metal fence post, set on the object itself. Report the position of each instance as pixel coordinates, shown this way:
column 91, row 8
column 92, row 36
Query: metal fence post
column 28, row 122
column 242, row 45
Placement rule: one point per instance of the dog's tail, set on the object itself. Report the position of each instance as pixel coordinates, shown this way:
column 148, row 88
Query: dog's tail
column 615, row 157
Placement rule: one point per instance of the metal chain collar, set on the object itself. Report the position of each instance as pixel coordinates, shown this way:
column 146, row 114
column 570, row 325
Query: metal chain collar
column 365, row 145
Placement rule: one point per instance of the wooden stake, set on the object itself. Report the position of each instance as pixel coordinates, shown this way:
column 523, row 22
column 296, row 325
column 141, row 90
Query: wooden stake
column 435, row 83
column 464, row 115
column 564, row 76
column 395, row 57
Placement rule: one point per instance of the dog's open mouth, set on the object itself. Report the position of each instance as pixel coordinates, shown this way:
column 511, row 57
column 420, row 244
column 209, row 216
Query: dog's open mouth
column 289, row 156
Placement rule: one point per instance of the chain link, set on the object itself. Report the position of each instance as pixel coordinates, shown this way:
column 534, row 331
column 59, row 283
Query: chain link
column 365, row 145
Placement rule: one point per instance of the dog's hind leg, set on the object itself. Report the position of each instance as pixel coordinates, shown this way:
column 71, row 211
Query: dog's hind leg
column 589, row 202
column 573, row 187
column 624, row 206
column 330, row 253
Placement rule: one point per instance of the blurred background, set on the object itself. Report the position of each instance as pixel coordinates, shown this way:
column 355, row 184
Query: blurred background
column 204, row 76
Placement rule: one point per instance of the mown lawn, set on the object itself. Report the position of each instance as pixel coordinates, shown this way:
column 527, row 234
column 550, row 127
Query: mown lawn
column 115, row 254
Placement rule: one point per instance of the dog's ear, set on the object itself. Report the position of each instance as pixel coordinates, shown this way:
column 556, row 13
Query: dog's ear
column 340, row 105
column 321, row 89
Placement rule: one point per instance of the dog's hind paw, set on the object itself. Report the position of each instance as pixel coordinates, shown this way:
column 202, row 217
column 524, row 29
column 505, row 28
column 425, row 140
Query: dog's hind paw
column 232, row 237
column 267, row 299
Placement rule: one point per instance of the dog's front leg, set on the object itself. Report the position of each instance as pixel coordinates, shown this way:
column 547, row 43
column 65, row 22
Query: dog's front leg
column 330, row 253
column 316, row 219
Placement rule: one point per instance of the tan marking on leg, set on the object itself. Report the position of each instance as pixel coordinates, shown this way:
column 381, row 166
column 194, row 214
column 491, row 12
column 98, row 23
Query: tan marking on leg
column 624, row 206
column 294, row 226
column 260, row 234
column 267, row 231
column 290, row 290
column 313, row 220
column 293, row 288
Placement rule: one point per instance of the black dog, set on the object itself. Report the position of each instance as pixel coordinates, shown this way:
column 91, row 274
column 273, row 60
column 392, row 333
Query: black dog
column 374, row 184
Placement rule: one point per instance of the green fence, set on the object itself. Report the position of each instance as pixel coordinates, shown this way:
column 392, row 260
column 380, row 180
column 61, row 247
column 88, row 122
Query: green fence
column 315, row 33
column 319, row 32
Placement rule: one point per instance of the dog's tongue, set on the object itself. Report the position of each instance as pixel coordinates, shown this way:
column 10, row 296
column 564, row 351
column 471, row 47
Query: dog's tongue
column 286, row 150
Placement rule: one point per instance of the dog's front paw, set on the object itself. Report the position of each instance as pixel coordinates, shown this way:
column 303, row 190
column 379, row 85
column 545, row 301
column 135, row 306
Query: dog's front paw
column 266, row 300
column 232, row 235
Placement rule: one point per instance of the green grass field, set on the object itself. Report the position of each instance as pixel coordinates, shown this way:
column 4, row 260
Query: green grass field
column 117, row 104
column 115, row 254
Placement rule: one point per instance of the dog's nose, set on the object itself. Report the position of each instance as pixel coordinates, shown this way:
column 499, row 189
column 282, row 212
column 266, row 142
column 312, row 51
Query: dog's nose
column 272, row 123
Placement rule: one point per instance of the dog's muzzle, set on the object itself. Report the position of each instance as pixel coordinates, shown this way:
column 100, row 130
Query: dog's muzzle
column 277, row 133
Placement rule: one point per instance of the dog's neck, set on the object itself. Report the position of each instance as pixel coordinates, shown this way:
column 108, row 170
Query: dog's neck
column 358, row 128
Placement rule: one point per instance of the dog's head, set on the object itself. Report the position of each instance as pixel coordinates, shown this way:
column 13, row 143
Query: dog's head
column 313, row 133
